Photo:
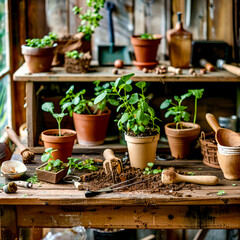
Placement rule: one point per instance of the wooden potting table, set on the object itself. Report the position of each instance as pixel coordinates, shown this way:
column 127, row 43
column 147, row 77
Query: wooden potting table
column 61, row 205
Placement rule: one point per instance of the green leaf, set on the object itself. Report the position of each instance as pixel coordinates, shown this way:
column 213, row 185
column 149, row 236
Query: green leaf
column 150, row 164
column 117, row 82
column 57, row 163
column 125, row 78
column 144, row 106
column 135, row 128
column 76, row 100
column 70, row 90
column 59, row 115
column 66, row 105
column 128, row 88
column 186, row 95
column 139, row 116
column 196, row 92
column 220, row 193
column 151, row 111
column 141, row 128
column 113, row 102
column 100, row 97
column 141, row 84
column 134, row 98
column 124, row 118
column 49, row 150
column 45, row 157
column 48, row 107
column 145, row 119
column 165, row 104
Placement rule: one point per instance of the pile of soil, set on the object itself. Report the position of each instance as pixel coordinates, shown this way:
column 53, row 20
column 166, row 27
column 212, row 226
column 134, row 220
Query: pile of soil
column 152, row 183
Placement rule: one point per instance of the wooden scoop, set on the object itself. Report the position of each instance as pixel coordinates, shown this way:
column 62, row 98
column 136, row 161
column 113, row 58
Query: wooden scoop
column 170, row 177
column 224, row 137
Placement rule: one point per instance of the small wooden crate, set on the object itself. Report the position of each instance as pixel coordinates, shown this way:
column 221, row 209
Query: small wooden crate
column 209, row 149
column 51, row 177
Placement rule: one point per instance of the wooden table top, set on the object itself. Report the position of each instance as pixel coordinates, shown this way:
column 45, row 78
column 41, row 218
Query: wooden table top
column 65, row 194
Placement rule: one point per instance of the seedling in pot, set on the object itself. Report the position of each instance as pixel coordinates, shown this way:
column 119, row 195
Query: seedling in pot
column 148, row 170
column 137, row 116
column 46, row 41
column 49, row 107
column 178, row 110
column 74, row 54
column 53, row 165
column 147, row 36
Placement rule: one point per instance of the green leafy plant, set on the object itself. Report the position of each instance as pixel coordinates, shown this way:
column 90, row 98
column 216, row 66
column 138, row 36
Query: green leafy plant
column 148, row 170
column 33, row 179
column 178, row 110
column 78, row 103
column 221, row 192
column 49, row 107
column 137, row 116
column 76, row 163
column 47, row 40
column 91, row 18
column 146, row 36
column 53, row 165
column 74, row 54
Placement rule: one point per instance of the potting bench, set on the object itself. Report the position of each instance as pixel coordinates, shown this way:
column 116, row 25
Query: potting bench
column 61, row 205
column 58, row 75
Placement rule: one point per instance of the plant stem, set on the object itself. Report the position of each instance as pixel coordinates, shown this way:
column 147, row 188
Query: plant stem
column 195, row 112
column 59, row 128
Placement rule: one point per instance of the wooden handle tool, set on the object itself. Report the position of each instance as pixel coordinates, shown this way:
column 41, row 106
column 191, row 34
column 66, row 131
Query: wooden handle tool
column 170, row 177
column 212, row 121
column 230, row 68
column 209, row 67
column 177, row 71
column 26, row 154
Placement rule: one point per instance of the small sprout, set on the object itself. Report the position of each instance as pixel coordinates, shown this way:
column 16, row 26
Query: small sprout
column 33, row 179
column 148, row 170
column 75, row 163
column 220, row 193
column 190, row 173
column 24, row 195
column 234, row 184
column 199, row 169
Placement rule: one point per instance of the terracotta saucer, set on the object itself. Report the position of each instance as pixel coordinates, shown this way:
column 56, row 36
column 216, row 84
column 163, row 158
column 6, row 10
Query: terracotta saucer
column 149, row 65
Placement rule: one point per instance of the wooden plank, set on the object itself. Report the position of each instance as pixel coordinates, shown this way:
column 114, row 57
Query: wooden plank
column 105, row 74
column 142, row 217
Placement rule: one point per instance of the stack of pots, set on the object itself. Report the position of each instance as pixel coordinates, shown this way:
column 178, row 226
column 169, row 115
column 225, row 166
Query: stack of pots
column 228, row 153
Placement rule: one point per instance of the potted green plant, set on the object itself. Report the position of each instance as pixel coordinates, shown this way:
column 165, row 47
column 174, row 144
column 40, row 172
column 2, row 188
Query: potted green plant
column 145, row 48
column 77, row 62
column 90, row 116
column 38, row 53
column 137, row 120
column 60, row 139
column 182, row 133
column 53, row 170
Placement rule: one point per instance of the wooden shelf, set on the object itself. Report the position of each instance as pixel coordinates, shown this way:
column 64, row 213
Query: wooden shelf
column 105, row 74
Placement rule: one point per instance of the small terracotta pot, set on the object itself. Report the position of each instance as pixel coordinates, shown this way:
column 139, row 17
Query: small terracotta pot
column 145, row 49
column 38, row 59
column 181, row 140
column 91, row 129
column 64, row 144
column 230, row 165
column 142, row 150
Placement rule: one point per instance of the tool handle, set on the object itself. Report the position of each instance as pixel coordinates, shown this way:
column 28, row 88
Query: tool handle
column 109, row 154
column 209, row 67
column 95, row 193
column 212, row 121
column 174, row 70
column 232, row 69
column 110, row 6
column 78, row 185
column 13, row 136
column 205, row 180
column 23, row 184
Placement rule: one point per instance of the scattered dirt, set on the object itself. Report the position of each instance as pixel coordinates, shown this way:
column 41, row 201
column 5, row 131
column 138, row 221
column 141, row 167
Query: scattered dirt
column 153, row 183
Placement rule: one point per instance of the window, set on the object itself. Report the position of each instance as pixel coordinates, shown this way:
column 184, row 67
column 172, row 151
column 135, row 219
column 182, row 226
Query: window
column 5, row 107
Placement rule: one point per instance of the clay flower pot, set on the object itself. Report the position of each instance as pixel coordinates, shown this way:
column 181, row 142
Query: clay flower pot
column 51, row 177
column 142, row 150
column 64, row 144
column 38, row 59
column 145, row 51
column 91, row 129
column 181, row 140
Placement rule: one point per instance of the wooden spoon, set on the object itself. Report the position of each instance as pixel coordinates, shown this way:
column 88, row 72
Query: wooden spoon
column 170, row 177
column 224, row 137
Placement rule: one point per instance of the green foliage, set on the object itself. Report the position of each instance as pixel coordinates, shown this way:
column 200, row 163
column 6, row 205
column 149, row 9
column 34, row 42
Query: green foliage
column 177, row 110
column 76, row 163
column 221, row 192
column 47, row 40
column 53, row 165
column 79, row 104
column 33, row 179
column 146, row 36
column 148, row 170
column 91, row 18
column 136, row 116
column 74, row 54
column 49, row 107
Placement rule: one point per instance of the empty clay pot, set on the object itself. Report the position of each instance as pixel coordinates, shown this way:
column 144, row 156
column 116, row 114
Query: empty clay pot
column 181, row 140
column 142, row 150
column 230, row 165
column 38, row 59
column 91, row 129
column 64, row 144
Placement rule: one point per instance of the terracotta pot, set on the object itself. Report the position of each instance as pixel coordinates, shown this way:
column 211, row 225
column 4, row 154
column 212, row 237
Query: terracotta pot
column 181, row 140
column 230, row 165
column 145, row 49
column 91, row 129
column 38, row 59
column 142, row 150
column 64, row 144
column 52, row 177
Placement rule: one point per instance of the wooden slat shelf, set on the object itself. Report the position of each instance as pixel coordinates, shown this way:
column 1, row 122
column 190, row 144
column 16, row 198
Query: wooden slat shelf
column 105, row 74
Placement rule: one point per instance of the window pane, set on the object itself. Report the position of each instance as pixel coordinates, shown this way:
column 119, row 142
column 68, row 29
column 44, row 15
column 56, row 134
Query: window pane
column 5, row 106
column 4, row 50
